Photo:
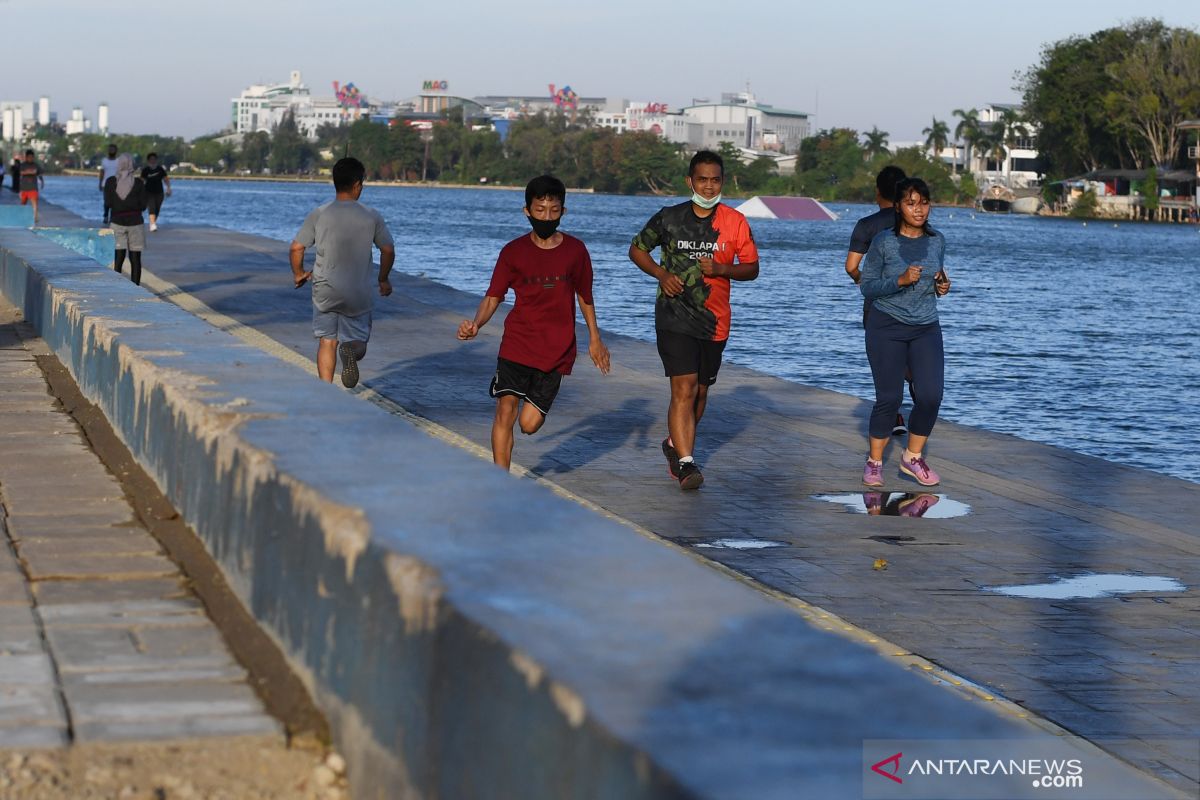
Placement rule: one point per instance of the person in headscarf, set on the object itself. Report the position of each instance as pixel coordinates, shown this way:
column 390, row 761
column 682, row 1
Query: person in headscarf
column 125, row 194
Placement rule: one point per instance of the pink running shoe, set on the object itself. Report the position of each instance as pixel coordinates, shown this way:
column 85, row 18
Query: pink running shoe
column 873, row 474
column 918, row 469
column 918, row 505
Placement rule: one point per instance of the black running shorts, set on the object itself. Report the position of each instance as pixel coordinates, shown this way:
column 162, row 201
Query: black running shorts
column 530, row 384
column 153, row 203
column 686, row 355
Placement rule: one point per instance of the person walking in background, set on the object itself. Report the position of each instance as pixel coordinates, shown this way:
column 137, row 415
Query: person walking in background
column 704, row 245
column 16, row 173
column 125, row 195
column 154, row 175
column 343, row 231
column 902, row 277
column 547, row 270
column 108, row 169
column 867, row 229
column 31, row 182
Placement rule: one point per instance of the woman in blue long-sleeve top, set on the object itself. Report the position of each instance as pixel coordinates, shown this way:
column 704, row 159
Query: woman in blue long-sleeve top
column 902, row 277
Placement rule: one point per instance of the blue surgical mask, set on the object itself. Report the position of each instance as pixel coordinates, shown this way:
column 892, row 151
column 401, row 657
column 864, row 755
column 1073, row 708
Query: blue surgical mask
column 704, row 202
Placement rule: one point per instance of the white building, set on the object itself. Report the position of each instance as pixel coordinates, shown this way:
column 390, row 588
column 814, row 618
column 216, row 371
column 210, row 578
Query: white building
column 102, row 118
column 262, row 107
column 16, row 114
column 43, row 110
column 743, row 121
column 78, row 123
column 1019, row 168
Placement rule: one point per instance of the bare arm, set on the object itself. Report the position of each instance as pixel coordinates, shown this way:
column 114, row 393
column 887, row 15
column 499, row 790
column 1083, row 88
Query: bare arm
column 469, row 329
column 596, row 347
column 296, row 256
column 387, row 257
column 747, row 271
column 853, row 259
column 670, row 284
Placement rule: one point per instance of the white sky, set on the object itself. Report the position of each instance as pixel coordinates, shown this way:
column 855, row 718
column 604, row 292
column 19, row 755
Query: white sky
column 171, row 66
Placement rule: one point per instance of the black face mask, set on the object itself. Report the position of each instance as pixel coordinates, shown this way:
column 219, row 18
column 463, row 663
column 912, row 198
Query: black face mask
column 544, row 228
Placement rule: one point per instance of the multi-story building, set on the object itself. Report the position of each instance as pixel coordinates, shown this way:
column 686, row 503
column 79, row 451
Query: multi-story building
column 743, row 121
column 262, row 107
column 1019, row 167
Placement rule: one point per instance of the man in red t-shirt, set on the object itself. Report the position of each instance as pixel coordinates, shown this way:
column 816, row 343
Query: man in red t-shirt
column 546, row 269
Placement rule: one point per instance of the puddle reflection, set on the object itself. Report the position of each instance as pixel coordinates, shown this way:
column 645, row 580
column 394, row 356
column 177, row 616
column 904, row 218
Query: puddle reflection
column 899, row 504
column 742, row 544
column 1087, row 586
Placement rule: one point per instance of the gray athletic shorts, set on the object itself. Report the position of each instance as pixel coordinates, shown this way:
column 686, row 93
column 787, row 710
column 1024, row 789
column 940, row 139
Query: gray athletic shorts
column 129, row 237
column 344, row 328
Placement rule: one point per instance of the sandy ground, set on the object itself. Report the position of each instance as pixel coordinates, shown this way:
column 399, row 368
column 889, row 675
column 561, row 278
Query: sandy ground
column 226, row 769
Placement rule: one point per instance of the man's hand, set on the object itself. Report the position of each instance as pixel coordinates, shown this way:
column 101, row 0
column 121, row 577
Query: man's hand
column 467, row 330
column 385, row 287
column 301, row 278
column 168, row 191
column 941, row 284
column 671, row 285
column 710, row 268
column 599, row 354
column 910, row 276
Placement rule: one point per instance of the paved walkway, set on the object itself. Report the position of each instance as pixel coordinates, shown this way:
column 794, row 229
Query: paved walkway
column 1114, row 668
column 100, row 638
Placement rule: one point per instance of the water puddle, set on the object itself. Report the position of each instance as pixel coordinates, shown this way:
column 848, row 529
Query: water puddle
column 1087, row 586
column 899, row 504
column 742, row 544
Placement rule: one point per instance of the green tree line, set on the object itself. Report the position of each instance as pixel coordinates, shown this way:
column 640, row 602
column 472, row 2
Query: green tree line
column 1115, row 98
column 830, row 165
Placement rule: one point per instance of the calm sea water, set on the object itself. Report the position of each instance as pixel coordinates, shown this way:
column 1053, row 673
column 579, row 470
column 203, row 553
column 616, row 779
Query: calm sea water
column 1083, row 336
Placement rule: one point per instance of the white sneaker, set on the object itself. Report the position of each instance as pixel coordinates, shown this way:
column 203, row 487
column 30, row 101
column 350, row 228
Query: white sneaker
column 153, row 226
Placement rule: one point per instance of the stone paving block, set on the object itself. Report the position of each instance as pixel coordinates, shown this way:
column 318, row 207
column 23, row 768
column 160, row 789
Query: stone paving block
column 186, row 611
column 229, row 673
column 131, row 702
column 16, row 616
column 247, row 725
column 33, row 669
column 13, row 589
column 21, row 640
column 96, row 566
column 79, row 649
column 180, row 642
column 30, row 704
column 27, row 736
column 20, row 526
column 69, row 545
column 51, row 593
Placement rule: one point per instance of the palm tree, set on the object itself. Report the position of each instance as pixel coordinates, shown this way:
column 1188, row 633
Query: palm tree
column 966, row 131
column 936, row 137
column 1010, row 129
column 875, row 142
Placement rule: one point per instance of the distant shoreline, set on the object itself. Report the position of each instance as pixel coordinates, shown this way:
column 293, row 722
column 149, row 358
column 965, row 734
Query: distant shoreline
column 324, row 179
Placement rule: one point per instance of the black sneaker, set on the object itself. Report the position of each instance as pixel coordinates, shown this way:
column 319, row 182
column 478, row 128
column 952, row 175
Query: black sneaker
column 672, row 458
column 899, row 428
column 690, row 476
column 349, row 365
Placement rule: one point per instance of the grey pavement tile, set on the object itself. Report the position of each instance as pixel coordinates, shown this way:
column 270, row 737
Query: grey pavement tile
column 51, row 593
column 111, row 567
column 159, row 729
column 67, row 546
column 183, row 641
column 20, row 526
column 17, row 616
column 23, row 640
column 28, row 736
column 30, row 705
column 31, row 669
column 93, row 649
column 142, row 701
column 229, row 673
column 128, row 613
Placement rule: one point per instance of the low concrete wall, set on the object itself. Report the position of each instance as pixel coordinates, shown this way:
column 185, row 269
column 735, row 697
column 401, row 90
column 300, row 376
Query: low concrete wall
column 13, row 215
column 468, row 634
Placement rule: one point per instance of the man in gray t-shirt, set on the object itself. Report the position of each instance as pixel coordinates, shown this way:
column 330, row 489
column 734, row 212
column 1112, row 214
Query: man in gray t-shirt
column 342, row 276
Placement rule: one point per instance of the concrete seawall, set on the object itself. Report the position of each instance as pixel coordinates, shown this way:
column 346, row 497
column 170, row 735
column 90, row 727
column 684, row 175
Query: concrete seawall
column 469, row 634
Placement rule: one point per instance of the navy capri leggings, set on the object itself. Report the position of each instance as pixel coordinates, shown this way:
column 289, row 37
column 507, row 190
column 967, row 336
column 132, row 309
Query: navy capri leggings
column 893, row 348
